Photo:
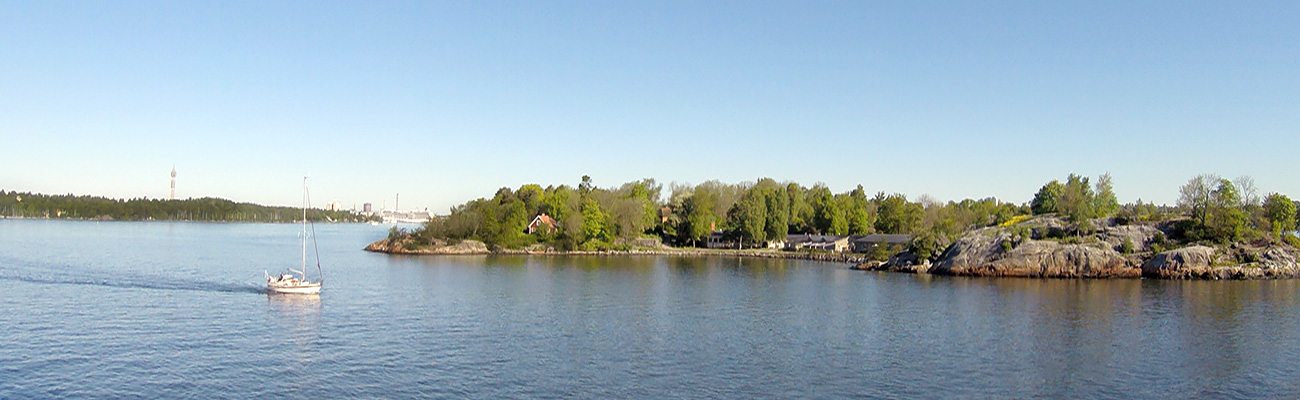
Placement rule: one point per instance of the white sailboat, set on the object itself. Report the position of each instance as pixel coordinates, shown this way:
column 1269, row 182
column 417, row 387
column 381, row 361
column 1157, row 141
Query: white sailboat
column 287, row 282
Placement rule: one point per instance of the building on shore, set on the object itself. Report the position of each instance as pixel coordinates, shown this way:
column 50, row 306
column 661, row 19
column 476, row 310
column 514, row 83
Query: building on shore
column 868, row 243
column 834, row 243
column 540, row 221
column 719, row 240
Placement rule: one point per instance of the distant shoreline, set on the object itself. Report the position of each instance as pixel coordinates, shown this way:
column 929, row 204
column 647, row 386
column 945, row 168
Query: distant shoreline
column 8, row 217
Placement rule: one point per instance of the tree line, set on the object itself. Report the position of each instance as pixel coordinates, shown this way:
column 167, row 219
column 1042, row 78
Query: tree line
column 588, row 217
column 35, row 205
column 591, row 218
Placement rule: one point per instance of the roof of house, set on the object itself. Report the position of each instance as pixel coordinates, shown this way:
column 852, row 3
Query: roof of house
column 544, row 219
column 886, row 238
column 810, row 238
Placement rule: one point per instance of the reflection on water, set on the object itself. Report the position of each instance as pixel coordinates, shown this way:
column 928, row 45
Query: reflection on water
column 294, row 304
column 298, row 316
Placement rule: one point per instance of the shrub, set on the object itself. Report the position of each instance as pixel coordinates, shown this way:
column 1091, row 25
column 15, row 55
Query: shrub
column 1054, row 233
column 1014, row 220
column 1021, row 234
column 1127, row 247
column 1291, row 240
column 881, row 252
column 924, row 246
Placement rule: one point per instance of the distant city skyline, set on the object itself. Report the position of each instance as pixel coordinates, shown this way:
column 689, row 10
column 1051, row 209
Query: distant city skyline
column 447, row 102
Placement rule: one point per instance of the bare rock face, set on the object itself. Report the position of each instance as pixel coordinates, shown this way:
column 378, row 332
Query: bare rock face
column 403, row 245
column 464, row 247
column 1278, row 259
column 983, row 253
column 1180, row 263
column 1141, row 236
column 1201, row 262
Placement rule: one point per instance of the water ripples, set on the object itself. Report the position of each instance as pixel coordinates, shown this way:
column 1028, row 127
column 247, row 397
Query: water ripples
column 106, row 319
column 129, row 281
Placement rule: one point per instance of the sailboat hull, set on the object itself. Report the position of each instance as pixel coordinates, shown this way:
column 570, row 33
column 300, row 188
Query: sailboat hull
column 304, row 288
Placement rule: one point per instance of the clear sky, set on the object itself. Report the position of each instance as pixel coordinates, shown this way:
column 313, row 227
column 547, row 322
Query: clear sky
column 443, row 102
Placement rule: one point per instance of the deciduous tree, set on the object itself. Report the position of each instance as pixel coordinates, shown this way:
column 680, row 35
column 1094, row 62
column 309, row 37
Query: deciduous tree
column 1045, row 200
column 1280, row 211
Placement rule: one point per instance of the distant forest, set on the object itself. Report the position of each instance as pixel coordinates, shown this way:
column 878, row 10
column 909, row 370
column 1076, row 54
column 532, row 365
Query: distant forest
column 35, row 205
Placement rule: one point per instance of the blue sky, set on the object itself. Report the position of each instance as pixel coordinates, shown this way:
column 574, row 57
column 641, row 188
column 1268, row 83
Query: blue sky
column 448, row 101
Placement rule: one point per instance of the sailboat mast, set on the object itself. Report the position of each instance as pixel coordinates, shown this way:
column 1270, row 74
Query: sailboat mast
column 303, row 268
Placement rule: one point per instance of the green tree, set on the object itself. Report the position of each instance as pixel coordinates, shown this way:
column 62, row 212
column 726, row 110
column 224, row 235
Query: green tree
column 646, row 192
column 1280, row 211
column 533, row 197
column 828, row 216
column 557, row 203
column 859, row 220
column 595, row 224
column 586, row 186
column 777, row 204
column 897, row 215
column 859, row 212
column 801, row 212
column 628, row 217
column 1226, row 218
column 925, row 245
column 699, row 219
column 1194, row 197
column 1105, row 204
column 512, row 224
column 1045, row 200
column 748, row 217
column 1077, row 199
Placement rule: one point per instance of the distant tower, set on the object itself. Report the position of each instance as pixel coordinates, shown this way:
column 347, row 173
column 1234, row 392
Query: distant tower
column 173, row 195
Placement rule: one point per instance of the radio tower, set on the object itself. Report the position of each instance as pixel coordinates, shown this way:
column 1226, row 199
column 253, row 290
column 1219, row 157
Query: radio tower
column 173, row 195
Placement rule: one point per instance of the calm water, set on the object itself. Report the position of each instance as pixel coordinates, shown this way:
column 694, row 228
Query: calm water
column 174, row 310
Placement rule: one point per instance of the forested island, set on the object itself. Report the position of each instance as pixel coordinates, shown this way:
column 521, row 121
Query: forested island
column 208, row 209
column 1219, row 228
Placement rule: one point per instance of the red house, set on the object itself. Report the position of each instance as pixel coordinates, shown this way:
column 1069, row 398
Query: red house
column 539, row 220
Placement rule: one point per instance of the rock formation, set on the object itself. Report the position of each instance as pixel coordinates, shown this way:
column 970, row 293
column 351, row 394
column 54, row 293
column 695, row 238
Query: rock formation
column 983, row 253
column 1202, row 262
column 406, row 245
column 1043, row 247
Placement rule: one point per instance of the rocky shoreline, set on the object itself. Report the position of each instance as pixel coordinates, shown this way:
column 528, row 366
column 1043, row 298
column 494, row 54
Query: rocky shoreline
column 473, row 247
column 1024, row 251
column 1027, row 249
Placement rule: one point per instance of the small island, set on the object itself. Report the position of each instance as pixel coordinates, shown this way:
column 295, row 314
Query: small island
column 1219, row 229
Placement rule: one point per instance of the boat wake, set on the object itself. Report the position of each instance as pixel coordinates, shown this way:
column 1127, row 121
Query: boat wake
column 128, row 281
column 197, row 286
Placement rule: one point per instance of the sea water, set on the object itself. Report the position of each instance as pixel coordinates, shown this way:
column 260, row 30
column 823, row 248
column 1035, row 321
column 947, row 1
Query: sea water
column 175, row 310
